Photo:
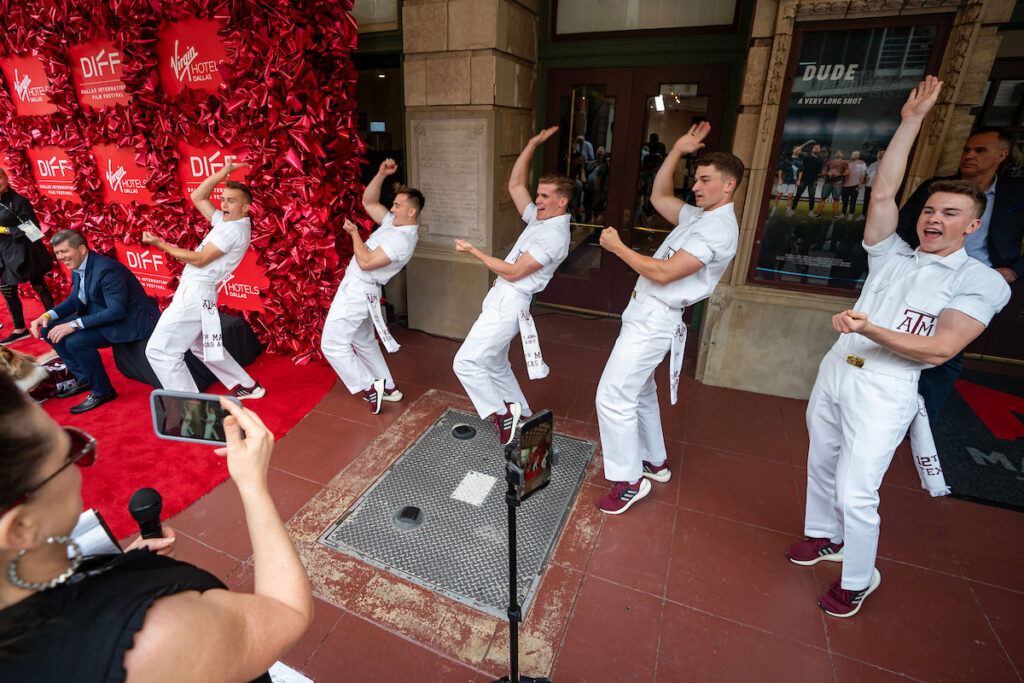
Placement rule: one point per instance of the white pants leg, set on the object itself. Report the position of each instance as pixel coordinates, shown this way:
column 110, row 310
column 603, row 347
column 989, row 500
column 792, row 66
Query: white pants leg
column 349, row 344
column 482, row 364
column 178, row 330
column 627, row 399
column 855, row 420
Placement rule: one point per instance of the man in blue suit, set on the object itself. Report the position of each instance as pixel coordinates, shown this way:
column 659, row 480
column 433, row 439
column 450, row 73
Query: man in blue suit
column 107, row 305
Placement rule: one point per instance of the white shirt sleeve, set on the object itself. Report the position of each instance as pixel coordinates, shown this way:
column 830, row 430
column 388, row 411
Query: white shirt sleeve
column 393, row 247
column 709, row 241
column 226, row 236
column 688, row 213
column 891, row 246
column 217, row 217
column 546, row 246
column 530, row 213
column 982, row 297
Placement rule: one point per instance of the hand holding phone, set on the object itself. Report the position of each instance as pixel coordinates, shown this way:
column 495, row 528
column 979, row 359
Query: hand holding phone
column 183, row 416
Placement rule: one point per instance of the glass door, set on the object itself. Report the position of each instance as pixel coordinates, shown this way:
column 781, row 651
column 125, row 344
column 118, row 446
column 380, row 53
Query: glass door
column 615, row 129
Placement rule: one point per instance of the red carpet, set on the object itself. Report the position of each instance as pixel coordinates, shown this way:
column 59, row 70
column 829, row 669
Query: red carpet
column 130, row 455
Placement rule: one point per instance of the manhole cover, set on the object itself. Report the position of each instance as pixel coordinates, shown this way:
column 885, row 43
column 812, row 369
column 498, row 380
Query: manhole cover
column 459, row 548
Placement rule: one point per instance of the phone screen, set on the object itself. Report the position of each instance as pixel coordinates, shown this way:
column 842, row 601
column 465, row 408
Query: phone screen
column 195, row 417
column 535, row 452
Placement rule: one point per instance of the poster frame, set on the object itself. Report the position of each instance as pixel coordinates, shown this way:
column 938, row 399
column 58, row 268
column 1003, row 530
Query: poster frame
column 943, row 23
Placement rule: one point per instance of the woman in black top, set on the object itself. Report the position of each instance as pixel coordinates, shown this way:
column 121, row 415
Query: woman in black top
column 138, row 616
column 21, row 259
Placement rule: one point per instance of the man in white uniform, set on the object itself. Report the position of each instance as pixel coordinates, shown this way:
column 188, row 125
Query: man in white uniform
column 917, row 309
column 482, row 362
column 348, row 342
column 192, row 321
column 684, row 270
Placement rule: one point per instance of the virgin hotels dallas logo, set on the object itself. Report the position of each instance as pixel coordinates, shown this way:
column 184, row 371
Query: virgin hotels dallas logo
column 25, row 91
column 187, row 68
column 119, row 182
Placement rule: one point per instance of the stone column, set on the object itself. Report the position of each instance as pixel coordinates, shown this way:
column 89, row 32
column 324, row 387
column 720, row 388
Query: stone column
column 469, row 68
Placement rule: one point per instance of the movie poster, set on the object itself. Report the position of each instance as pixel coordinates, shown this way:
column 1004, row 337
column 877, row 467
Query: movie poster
column 844, row 106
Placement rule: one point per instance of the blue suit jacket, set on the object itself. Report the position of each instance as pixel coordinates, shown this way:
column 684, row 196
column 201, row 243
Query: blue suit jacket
column 115, row 301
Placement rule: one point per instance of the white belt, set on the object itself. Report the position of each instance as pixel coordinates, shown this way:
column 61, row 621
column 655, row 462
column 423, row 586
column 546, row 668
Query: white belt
column 675, row 358
column 881, row 366
column 926, row 456
column 209, row 318
column 373, row 303
column 536, row 368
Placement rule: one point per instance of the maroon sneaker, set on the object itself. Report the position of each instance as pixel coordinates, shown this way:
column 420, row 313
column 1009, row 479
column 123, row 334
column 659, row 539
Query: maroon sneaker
column 813, row 550
column 255, row 391
column 507, row 423
column 375, row 395
column 657, row 472
column 622, row 495
column 839, row 602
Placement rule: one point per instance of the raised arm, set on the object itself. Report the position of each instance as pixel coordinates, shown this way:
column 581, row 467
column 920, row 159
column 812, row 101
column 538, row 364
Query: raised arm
column 954, row 330
column 201, row 195
column 521, row 170
column 524, row 265
column 660, row 271
column 883, row 214
column 371, row 195
column 663, row 196
column 367, row 260
column 200, row 259
column 221, row 635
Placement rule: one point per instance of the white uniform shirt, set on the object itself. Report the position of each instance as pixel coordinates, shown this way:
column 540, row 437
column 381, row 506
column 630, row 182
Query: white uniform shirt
column 397, row 241
column 907, row 289
column 711, row 237
column 547, row 242
column 232, row 238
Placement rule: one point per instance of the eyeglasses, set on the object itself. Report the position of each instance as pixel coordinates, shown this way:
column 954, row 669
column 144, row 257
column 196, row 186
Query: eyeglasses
column 81, row 453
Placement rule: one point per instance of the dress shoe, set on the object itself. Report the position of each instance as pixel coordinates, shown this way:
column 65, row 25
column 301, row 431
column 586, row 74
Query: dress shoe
column 14, row 336
column 78, row 388
column 93, row 401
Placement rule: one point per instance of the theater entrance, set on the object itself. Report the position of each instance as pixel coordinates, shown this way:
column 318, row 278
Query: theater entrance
column 615, row 128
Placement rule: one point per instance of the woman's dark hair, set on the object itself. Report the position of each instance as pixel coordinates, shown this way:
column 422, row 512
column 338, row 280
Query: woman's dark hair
column 22, row 450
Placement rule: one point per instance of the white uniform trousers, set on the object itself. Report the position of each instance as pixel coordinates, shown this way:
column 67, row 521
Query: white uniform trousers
column 348, row 340
column 180, row 329
column 627, row 397
column 856, row 417
column 482, row 361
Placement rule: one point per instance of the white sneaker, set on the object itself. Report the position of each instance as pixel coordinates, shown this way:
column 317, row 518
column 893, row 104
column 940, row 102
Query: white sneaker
column 789, row 212
column 393, row 395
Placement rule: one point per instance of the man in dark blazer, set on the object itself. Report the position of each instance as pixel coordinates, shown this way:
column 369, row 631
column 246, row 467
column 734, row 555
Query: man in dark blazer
column 107, row 305
column 997, row 243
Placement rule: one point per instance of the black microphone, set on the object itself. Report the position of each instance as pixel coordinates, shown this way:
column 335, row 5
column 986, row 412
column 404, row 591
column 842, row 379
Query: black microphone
column 145, row 506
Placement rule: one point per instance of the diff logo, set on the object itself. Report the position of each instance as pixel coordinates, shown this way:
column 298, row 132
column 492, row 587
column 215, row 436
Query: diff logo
column 203, row 167
column 188, row 68
column 53, row 167
column 103, row 63
column 144, row 261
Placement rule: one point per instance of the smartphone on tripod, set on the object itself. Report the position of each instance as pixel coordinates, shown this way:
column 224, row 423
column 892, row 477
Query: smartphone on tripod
column 533, row 454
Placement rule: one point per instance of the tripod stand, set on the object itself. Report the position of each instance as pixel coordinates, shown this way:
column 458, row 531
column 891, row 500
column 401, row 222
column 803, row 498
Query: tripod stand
column 515, row 476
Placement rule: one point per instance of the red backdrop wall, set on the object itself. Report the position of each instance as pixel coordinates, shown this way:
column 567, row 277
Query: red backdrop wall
column 285, row 105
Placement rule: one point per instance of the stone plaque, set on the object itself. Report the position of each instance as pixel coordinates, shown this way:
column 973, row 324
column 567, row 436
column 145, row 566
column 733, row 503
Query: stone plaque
column 449, row 158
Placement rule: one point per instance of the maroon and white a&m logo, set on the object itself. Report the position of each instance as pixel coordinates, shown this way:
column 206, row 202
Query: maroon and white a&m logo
column 189, row 53
column 917, row 322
